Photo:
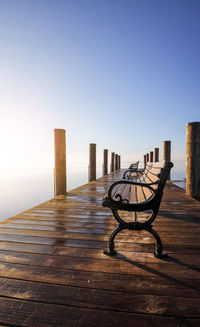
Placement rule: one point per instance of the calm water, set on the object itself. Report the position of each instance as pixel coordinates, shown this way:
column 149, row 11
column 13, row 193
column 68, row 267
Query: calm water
column 23, row 190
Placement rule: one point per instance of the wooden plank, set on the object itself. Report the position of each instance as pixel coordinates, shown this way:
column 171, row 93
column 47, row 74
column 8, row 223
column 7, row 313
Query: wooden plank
column 122, row 265
column 29, row 313
column 44, row 237
column 105, row 300
column 85, row 246
column 161, row 225
column 104, row 281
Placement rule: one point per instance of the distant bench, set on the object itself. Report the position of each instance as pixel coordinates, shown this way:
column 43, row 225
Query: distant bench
column 134, row 165
column 135, row 195
column 132, row 173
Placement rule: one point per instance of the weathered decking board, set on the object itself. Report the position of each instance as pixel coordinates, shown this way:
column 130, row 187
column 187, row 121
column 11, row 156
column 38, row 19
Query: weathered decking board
column 53, row 271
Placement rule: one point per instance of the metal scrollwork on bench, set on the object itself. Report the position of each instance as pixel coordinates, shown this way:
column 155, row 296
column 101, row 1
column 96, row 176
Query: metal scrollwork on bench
column 121, row 200
column 117, row 203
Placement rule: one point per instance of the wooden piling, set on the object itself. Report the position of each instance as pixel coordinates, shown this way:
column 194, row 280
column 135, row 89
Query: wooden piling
column 167, row 152
column 105, row 162
column 145, row 160
column 151, row 156
column 156, row 154
column 60, row 180
column 92, row 162
column 119, row 162
column 147, row 156
column 116, row 162
column 112, row 165
column 193, row 160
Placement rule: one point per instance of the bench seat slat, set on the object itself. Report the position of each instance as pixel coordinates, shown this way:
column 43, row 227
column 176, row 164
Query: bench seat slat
column 126, row 194
column 140, row 194
column 134, row 194
column 118, row 190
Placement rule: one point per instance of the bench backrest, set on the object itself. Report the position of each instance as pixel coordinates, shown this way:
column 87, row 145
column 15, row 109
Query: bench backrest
column 156, row 172
column 152, row 172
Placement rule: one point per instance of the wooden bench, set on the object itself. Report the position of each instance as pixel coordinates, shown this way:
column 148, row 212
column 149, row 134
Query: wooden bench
column 132, row 170
column 132, row 173
column 134, row 165
column 144, row 193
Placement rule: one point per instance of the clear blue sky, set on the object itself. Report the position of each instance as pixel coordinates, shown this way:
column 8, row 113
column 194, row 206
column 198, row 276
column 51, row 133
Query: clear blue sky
column 122, row 74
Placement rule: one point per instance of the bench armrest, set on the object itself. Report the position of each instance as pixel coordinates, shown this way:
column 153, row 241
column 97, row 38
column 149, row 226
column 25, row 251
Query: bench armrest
column 130, row 182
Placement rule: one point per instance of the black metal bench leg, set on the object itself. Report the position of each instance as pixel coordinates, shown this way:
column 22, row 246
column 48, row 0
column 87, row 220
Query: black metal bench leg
column 111, row 250
column 159, row 247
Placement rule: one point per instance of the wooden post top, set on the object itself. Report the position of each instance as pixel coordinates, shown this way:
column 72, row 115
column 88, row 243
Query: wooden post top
column 156, row 154
column 193, row 123
column 59, row 129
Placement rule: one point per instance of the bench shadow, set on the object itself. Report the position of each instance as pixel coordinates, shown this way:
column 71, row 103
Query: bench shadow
column 182, row 321
column 183, row 264
column 180, row 216
column 158, row 273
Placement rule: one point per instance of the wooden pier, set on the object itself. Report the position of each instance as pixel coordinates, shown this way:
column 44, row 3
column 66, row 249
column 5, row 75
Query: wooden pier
column 53, row 271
